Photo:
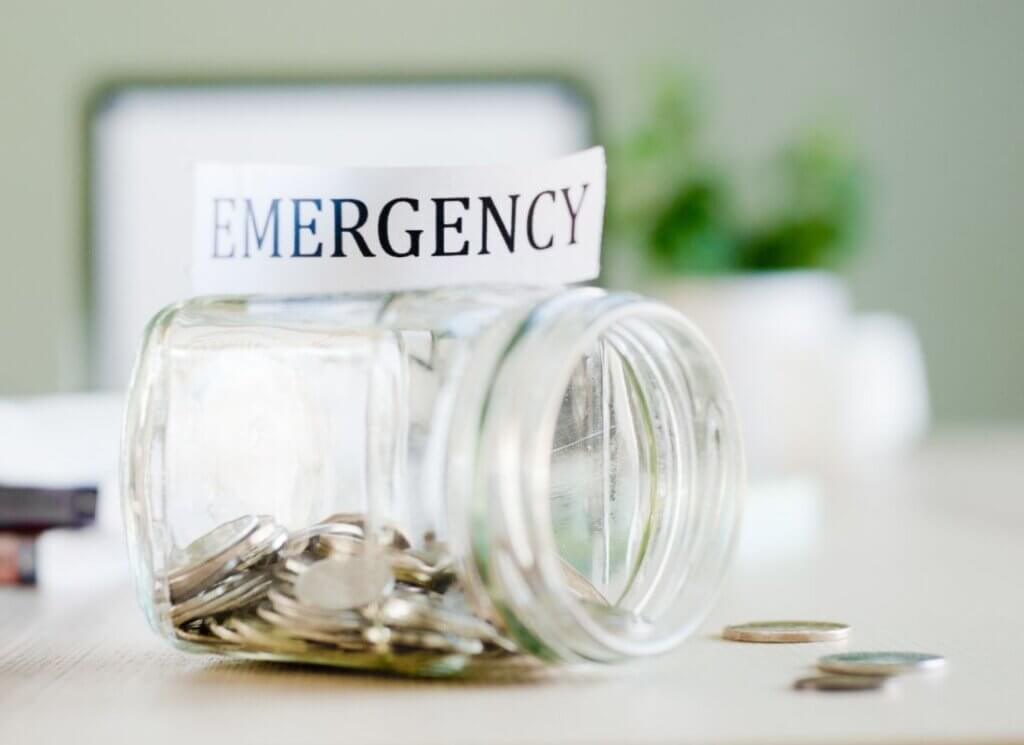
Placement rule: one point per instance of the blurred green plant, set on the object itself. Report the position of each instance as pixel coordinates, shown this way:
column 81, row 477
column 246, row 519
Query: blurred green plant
column 668, row 197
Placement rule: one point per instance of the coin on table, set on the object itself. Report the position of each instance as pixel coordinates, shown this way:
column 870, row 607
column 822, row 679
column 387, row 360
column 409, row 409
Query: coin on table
column 880, row 663
column 786, row 632
column 345, row 583
column 842, row 683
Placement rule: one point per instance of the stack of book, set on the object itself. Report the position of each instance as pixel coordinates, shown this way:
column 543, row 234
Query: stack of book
column 25, row 512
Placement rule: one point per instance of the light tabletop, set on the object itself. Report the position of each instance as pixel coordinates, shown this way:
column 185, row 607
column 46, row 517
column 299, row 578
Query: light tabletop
column 922, row 554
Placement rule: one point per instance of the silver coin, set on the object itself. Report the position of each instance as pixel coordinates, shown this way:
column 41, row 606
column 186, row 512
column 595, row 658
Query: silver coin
column 880, row 663
column 385, row 535
column 319, row 546
column 402, row 662
column 261, row 546
column 345, row 641
column 407, row 612
column 218, row 541
column 195, row 606
column 329, row 594
column 299, row 542
column 225, row 634
column 283, row 575
column 423, row 571
column 338, row 545
column 196, row 636
column 259, row 633
column 345, row 637
column 786, row 632
column 435, row 642
column 343, row 584
column 209, row 558
column 297, row 565
column 239, row 592
column 288, row 606
column 355, row 519
column 842, row 683
column 391, row 536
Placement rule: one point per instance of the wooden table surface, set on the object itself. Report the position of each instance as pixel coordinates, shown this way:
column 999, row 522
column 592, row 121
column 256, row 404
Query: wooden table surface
column 926, row 554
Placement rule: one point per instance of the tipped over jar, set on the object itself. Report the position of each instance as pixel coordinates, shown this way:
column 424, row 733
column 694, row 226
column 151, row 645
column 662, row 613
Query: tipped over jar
column 429, row 482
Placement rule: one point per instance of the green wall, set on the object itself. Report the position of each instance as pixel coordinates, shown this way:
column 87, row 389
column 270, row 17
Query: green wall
column 932, row 92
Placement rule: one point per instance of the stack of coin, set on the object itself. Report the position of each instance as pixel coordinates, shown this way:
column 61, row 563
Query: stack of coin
column 328, row 594
column 225, row 569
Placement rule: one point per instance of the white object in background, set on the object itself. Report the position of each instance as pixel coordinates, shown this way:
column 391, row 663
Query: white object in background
column 778, row 336
column 815, row 386
column 147, row 140
column 65, row 440
column 885, row 388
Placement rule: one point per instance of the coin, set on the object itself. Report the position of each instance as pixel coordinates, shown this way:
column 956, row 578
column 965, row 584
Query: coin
column 196, row 636
column 344, row 638
column 421, row 570
column 261, row 546
column 842, row 683
column 219, row 540
column 261, row 634
column 325, row 620
column 435, row 641
column 345, row 583
column 328, row 594
column 208, row 558
column 240, row 591
column 390, row 536
column 306, row 542
column 880, row 663
column 333, row 621
column 405, row 611
column 338, row 545
column 224, row 634
column 385, row 535
column 774, row 632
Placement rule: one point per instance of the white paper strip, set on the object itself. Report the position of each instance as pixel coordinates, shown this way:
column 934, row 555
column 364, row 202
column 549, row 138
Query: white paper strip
column 296, row 230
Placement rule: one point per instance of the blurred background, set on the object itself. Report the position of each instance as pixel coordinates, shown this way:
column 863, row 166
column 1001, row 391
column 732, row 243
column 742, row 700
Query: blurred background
column 831, row 190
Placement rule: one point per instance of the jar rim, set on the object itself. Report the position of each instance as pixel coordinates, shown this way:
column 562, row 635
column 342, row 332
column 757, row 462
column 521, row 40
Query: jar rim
column 514, row 548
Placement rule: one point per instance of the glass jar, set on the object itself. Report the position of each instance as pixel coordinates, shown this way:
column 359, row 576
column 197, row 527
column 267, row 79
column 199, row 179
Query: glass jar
column 429, row 482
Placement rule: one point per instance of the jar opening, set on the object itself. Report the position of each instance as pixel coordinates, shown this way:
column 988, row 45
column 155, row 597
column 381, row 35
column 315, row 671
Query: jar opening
column 611, row 468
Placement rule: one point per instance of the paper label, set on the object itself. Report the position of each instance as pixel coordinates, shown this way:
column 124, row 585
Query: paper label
column 297, row 230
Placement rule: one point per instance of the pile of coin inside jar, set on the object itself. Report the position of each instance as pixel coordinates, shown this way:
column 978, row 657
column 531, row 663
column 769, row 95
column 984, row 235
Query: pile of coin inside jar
column 329, row 595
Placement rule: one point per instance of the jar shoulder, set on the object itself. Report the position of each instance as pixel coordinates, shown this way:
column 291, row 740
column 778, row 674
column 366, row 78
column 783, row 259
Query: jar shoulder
column 456, row 311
